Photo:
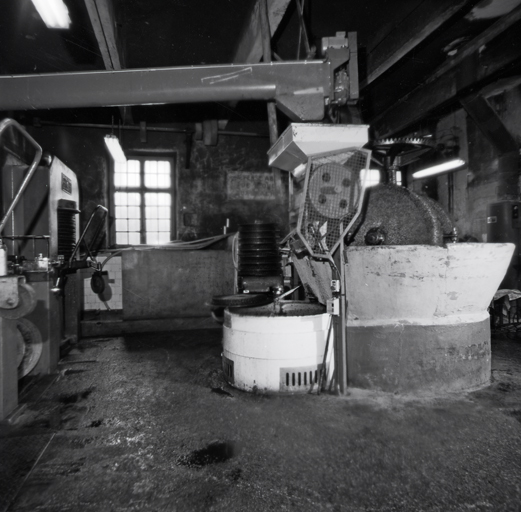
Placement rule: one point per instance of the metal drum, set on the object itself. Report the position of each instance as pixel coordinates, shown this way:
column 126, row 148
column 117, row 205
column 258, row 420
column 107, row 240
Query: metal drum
column 258, row 250
column 275, row 348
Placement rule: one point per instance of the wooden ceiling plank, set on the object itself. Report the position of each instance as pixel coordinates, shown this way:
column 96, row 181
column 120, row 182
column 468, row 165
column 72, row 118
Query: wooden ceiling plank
column 101, row 14
column 249, row 48
column 501, row 86
column 453, row 77
column 480, row 41
column 414, row 29
column 102, row 19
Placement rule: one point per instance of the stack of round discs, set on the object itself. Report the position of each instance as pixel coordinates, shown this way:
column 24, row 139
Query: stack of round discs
column 258, row 250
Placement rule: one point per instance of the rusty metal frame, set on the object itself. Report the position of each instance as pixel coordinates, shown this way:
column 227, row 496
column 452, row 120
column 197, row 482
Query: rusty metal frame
column 36, row 160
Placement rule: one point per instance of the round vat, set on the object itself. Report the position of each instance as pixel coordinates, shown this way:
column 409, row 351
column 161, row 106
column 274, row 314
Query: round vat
column 274, row 348
column 417, row 316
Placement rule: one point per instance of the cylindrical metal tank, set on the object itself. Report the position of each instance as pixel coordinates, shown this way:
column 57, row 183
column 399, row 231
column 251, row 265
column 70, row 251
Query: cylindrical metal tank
column 417, row 316
column 275, row 348
column 504, row 226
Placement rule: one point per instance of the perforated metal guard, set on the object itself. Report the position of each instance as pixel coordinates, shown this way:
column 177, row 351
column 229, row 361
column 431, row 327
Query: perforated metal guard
column 333, row 193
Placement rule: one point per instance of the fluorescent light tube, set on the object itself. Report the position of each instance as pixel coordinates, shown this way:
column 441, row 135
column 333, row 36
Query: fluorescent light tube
column 115, row 149
column 54, row 13
column 438, row 169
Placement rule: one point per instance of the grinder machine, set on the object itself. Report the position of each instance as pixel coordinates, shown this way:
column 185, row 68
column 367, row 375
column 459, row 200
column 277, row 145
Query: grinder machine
column 39, row 251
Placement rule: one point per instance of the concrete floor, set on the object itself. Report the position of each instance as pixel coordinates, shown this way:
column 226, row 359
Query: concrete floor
column 141, row 423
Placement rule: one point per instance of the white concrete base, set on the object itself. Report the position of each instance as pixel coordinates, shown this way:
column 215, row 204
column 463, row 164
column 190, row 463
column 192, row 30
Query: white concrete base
column 417, row 316
column 268, row 353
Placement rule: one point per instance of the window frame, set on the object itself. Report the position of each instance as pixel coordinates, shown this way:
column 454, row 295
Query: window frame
column 142, row 190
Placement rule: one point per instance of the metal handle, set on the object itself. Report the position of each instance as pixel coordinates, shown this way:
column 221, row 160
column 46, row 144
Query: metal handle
column 77, row 246
column 37, row 157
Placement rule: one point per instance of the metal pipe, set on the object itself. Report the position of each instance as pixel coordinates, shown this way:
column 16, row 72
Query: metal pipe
column 196, row 84
column 149, row 128
column 36, row 160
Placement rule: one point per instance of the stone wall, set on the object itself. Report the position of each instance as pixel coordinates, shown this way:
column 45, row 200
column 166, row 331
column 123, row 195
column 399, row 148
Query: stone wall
column 230, row 180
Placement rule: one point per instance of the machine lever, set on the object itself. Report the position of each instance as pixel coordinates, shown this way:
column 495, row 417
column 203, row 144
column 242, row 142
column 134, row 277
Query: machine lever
column 77, row 246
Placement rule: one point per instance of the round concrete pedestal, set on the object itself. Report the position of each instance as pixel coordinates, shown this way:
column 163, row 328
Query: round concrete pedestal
column 274, row 348
column 417, row 317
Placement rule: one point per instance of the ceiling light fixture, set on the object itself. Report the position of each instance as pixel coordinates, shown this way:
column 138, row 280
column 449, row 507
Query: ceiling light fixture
column 54, row 13
column 440, row 168
column 115, row 149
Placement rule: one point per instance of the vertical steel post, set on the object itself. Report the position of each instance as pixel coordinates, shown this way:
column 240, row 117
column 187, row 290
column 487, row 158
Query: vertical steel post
column 342, row 363
column 340, row 323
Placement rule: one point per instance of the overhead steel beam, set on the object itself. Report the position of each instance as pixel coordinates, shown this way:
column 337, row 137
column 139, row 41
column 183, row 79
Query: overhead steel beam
column 300, row 88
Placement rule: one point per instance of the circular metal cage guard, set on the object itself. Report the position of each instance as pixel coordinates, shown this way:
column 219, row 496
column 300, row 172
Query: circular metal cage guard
column 333, row 194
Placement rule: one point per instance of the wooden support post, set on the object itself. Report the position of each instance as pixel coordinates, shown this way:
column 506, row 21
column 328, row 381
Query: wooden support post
column 272, row 109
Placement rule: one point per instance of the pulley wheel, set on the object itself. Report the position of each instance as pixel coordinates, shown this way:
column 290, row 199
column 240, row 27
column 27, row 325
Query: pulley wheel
column 26, row 303
column 97, row 283
column 241, row 300
column 33, row 346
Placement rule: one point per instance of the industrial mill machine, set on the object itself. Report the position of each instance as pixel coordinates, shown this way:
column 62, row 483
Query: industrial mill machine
column 39, row 252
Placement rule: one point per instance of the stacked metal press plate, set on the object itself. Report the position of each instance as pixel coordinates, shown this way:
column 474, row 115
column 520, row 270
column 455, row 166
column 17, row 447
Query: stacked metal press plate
column 259, row 257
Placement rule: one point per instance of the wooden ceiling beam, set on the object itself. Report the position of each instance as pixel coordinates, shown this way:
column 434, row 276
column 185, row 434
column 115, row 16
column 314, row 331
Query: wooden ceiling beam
column 476, row 64
column 501, row 86
column 414, row 29
column 249, row 48
column 488, row 121
column 101, row 14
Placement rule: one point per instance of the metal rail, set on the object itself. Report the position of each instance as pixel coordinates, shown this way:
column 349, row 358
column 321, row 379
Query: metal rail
column 36, row 160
